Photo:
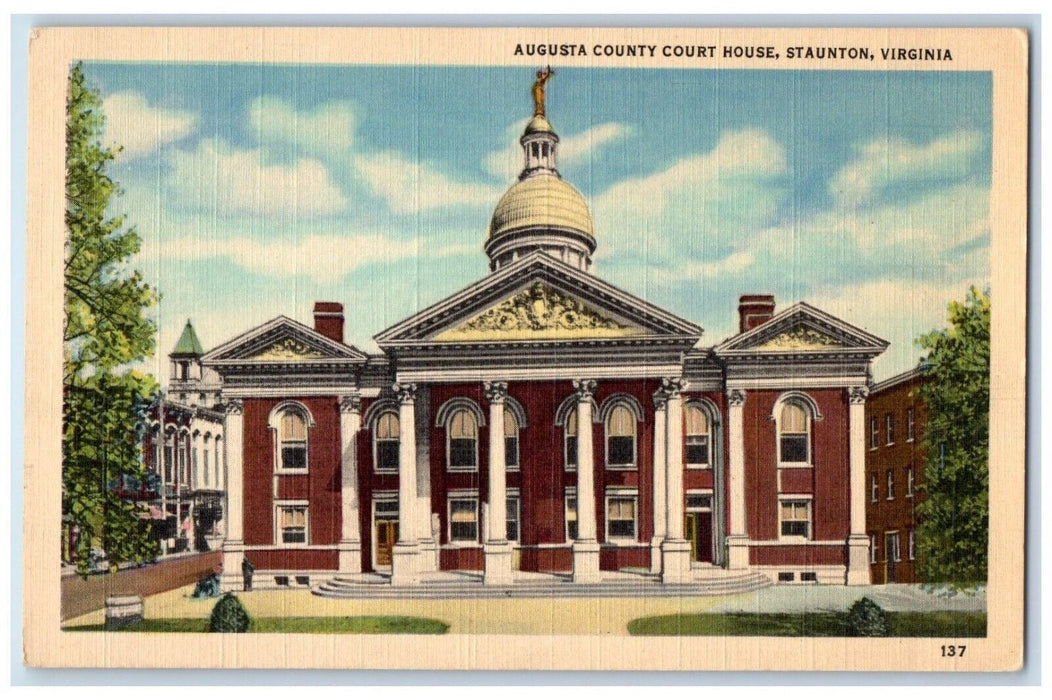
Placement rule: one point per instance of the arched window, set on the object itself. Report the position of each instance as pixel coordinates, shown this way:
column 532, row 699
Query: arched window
column 292, row 440
column 621, row 438
column 386, row 436
column 698, row 437
column 511, row 440
column 794, row 434
column 463, row 433
column 570, row 441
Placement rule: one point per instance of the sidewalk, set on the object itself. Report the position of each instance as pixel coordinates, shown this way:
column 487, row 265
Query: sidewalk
column 896, row 597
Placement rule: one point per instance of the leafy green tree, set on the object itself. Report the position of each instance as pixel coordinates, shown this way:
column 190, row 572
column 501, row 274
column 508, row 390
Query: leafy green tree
column 105, row 332
column 953, row 535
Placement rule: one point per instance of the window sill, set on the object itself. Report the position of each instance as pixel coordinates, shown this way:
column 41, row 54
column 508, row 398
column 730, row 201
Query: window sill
column 622, row 542
column 291, row 472
column 386, row 472
column 462, row 470
column 700, row 467
column 795, row 465
column 462, row 545
column 621, row 467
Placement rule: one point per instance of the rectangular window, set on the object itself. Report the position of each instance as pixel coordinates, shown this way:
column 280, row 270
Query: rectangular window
column 194, row 468
column 698, row 501
column 463, row 520
column 620, row 517
column 571, row 517
column 571, row 453
column 911, row 543
column 387, row 455
column 874, row 434
column 512, row 505
column 909, row 482
column 910, row 426
column 462, row 453
column 698, row 450
column 893, row 553
column 511, row 453
column 208, row 472
column 622, row 450
column 889, row 428
column 874, row 489
column 891, row 484
column 795, row 518
column 292, row 524
column 872, row 549
column 794, row 449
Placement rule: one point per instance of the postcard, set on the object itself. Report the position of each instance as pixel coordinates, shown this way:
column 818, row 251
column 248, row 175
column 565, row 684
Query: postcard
column 526, row 348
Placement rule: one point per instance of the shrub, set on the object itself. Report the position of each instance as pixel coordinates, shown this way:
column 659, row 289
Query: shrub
column 867, row 619
column 229, row 615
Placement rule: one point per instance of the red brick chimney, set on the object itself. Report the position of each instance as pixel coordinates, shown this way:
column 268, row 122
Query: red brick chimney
column 754, row 310
column 328, row 319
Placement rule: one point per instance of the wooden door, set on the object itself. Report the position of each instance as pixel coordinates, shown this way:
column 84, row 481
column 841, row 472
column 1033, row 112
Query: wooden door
column 703, row 536
column 386, row 536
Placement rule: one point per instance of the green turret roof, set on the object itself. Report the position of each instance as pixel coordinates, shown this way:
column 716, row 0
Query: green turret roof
column 188, row 343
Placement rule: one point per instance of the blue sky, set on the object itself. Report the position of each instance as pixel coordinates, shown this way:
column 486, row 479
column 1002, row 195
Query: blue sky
column 260, row 189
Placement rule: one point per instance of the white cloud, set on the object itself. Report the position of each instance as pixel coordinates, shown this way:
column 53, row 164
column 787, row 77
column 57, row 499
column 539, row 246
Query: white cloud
column 327, row 129
column 323, row 258
column 735, row 189
column 231, row 180
column 141, row 128
column 884, row 162
column 733, row 263
column 410, row 186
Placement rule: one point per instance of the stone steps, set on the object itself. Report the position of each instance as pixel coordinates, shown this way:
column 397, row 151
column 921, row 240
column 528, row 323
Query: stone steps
column 728, row 584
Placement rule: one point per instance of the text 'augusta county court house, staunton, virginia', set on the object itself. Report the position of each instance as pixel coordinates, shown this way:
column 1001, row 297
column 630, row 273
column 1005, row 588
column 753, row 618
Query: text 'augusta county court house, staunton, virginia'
column 544, row 420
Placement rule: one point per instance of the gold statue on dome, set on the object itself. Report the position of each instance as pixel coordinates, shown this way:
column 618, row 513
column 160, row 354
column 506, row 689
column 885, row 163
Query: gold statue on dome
column 538, row 90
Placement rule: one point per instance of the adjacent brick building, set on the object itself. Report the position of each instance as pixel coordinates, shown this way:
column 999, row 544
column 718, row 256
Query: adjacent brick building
column 895, row 422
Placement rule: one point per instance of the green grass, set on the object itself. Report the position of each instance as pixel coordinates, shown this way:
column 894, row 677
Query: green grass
column 825, row 624
column 369, row 624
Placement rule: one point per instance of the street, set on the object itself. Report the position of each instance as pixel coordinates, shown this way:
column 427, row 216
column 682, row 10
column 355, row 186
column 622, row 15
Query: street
column 81, row 596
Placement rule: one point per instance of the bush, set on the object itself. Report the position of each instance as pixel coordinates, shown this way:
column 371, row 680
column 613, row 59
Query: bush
column 867, row 619
column 229, row 615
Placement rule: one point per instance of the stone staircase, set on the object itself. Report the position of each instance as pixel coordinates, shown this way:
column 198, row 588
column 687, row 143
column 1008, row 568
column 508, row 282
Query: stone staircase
column 714, row 582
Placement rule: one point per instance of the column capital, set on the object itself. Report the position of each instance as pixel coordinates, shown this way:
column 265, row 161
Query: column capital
column 584, row 388
column 496, row 392
column 736, row 397
column 660, row 400
column 858, row 394
column 351, row 404
column 406, row 392
column 673, row 386
column 234, row 407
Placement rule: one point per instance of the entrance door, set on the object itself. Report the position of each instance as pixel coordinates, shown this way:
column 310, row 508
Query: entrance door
column 891, row 549
column 699, row 533
column 386, row 536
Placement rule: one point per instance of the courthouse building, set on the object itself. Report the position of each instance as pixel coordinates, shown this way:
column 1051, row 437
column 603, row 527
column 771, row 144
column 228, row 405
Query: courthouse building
column 542, row 419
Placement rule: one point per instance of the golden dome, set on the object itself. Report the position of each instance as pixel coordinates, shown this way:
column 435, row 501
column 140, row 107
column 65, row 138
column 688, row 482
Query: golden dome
column 539, row 123
column 541, row 201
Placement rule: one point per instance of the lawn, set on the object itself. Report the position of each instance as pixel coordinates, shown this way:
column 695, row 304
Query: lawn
column 824, row 624
column 368, row 624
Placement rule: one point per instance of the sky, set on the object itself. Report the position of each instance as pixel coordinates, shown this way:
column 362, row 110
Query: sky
column 259, row 189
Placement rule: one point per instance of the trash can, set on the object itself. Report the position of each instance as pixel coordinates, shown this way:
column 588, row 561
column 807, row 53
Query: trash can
column 122, row 610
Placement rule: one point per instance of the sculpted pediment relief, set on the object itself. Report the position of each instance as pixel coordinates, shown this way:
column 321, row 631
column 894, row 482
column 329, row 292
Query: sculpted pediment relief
column 801, row 338
column 539, row 312
column 288, row 349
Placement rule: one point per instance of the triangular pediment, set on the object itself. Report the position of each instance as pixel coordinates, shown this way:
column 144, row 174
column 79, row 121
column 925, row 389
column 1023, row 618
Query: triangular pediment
column 282, row 341
column 537, row 298
column 802, row 328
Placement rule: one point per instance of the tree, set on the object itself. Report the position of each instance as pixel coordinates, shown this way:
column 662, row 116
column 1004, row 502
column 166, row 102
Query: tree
column 105, row 332
column 953, row 533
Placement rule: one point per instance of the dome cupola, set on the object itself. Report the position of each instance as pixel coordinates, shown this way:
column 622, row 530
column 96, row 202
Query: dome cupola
column 541, row 211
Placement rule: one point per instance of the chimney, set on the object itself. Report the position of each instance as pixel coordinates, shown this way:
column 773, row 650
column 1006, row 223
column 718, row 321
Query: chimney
column 328, row 319
column 754, row 310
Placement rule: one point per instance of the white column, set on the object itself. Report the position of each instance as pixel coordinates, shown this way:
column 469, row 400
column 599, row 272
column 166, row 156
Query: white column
column 660, row 504
column 737, row 547
column 586, row 546
column 404, row 565
column 858, row 541
column 675, row 550
column 233, row 462
column 497, row 549
column 350, row 534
